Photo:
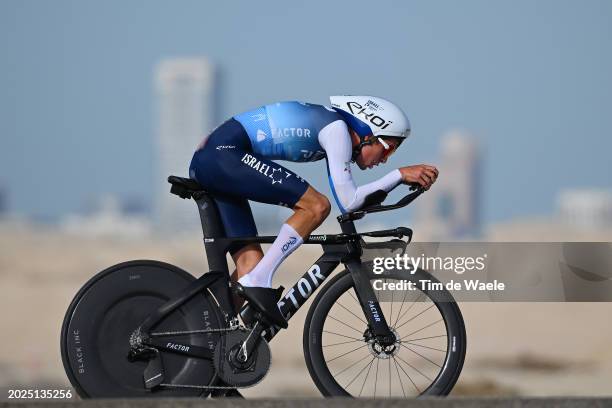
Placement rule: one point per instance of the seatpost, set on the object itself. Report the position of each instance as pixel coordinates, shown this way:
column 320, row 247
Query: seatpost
column 211, row 228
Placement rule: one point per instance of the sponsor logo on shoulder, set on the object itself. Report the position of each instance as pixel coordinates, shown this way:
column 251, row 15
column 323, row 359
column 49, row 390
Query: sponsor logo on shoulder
column 261, row 135
column 309, row 155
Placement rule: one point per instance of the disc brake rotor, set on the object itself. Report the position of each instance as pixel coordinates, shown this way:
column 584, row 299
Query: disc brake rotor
column 383, row 352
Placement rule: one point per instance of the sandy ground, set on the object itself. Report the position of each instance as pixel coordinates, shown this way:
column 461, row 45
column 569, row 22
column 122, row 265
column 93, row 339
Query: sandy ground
column 536, row 349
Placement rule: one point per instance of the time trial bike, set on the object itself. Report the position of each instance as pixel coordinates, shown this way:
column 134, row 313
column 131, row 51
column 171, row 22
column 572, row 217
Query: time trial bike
column 145, row 328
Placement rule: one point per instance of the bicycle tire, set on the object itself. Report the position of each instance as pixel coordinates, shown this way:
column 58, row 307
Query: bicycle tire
column 330, row 294
column 97, row 325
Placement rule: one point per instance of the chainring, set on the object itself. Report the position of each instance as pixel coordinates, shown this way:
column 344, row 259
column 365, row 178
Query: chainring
column 251, row 372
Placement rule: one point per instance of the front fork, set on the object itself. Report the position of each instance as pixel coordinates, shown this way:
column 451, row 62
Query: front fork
column 377, row 323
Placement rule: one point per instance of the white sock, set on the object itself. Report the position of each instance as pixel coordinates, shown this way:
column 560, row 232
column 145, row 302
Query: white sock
column 285, row 243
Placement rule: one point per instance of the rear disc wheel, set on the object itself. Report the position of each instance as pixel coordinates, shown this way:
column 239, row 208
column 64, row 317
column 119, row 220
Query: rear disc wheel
column 106, row 311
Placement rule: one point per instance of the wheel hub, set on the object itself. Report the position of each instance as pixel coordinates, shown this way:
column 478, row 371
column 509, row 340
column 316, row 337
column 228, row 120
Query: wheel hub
column 382, row 351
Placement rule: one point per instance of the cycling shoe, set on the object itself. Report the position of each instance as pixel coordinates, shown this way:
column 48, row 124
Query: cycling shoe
column 265, row 301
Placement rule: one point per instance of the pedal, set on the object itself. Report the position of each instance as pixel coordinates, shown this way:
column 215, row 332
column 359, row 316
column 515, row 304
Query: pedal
column 264, row 301
column 154, row 373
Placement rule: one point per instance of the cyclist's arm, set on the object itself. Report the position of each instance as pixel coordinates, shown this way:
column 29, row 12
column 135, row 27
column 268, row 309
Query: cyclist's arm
column 335, row 139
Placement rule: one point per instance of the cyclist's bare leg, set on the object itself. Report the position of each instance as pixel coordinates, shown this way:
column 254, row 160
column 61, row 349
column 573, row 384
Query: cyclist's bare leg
column 245, row 259
column 309, row 212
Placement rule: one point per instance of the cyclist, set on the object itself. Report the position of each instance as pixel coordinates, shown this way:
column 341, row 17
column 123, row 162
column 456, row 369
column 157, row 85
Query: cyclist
column 235, row 164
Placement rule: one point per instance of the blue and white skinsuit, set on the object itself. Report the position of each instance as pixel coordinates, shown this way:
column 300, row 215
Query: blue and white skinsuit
column 234, row 162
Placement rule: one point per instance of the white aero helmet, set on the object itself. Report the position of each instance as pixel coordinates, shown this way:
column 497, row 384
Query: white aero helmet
column 372, row 115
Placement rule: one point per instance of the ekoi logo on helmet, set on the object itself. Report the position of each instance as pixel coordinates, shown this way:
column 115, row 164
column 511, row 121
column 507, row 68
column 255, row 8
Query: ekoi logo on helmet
column 371, row 115
column 360, row 110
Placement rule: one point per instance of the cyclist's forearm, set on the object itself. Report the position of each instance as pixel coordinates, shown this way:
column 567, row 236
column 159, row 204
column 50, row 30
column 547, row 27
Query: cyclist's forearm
column 385, row 183
column 336, row 141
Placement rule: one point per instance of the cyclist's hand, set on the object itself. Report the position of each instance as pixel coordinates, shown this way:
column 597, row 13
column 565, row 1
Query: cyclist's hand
column 421, row 174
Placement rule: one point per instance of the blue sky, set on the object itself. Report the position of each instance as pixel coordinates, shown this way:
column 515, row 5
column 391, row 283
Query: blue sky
column 531, row 79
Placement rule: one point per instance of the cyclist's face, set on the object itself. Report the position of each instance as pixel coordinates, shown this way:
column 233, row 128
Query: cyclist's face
column 375, row 153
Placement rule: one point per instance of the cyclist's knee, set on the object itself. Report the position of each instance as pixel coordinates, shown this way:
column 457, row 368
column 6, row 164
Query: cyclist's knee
column 315, row 204
column 322, row 207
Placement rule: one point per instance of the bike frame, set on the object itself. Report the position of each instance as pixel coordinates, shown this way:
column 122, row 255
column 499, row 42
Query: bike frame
column 337, row 248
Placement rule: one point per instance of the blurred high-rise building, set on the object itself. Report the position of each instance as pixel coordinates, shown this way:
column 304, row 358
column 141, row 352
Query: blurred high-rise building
column 3, row 201
column 451, row 208
column 186, row 106
column 585, row 208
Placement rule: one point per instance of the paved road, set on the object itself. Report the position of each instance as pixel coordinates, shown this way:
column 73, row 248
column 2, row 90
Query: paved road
column 325, row 403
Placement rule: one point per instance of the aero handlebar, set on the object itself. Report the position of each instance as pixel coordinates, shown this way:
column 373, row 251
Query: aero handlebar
column 374, row 200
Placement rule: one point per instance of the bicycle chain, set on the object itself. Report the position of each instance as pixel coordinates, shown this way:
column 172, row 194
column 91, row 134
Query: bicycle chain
column 202, row 331
column 234, row 325
column 206, row 387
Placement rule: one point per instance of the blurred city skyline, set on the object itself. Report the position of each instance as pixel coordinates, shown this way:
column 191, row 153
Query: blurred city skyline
column 530, row 80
